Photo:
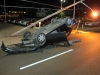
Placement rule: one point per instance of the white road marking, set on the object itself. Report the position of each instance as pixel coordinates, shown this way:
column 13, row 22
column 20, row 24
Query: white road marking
column 45, row 59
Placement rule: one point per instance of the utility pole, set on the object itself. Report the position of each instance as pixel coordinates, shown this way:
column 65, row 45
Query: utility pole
column 74, row 11
column 5, row 12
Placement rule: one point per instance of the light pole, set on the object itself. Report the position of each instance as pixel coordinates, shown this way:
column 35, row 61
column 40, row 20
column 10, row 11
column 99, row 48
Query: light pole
column 61, row 5
column 62, row 2
column 5, row 12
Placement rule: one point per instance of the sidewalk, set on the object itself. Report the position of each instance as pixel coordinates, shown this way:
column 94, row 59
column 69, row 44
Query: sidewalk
column 7, row 29
column 89, row 29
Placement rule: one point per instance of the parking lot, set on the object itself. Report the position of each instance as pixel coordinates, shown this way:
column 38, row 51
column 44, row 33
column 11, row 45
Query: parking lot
column 80, row 59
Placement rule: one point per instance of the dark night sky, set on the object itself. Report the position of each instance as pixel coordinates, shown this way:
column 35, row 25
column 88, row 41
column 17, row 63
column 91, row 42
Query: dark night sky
column 91, row 3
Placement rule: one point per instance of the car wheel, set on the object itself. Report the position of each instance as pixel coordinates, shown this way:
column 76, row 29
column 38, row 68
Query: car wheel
column 68, row 22
column 41, row 39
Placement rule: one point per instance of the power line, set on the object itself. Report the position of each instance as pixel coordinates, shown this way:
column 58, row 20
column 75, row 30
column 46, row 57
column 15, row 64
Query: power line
column 40, row 8
column 41, row 3
column 25, row 7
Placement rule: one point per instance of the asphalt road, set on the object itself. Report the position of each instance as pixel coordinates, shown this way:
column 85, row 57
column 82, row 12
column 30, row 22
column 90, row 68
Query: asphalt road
column 82, row 58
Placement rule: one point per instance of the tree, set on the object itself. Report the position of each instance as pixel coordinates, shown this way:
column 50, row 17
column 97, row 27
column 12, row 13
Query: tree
column 61, row 15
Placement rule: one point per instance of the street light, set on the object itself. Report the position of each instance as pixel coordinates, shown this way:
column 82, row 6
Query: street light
column 62, row 2
column 5, row 12
column 94, row 14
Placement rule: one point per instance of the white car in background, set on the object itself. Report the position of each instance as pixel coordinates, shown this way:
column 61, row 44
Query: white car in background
column 92, row 23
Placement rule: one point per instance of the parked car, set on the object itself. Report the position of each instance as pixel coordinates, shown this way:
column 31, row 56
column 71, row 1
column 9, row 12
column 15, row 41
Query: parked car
column 92, row 23
column 43, row 23
column 2, row 18
column 13, row 20
column 26, row 21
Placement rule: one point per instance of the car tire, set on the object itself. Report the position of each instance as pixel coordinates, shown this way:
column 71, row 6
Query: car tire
column 41, row 39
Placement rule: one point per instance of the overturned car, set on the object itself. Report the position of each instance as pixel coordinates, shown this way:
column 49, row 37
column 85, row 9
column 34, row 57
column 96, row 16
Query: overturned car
column 56, row 31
